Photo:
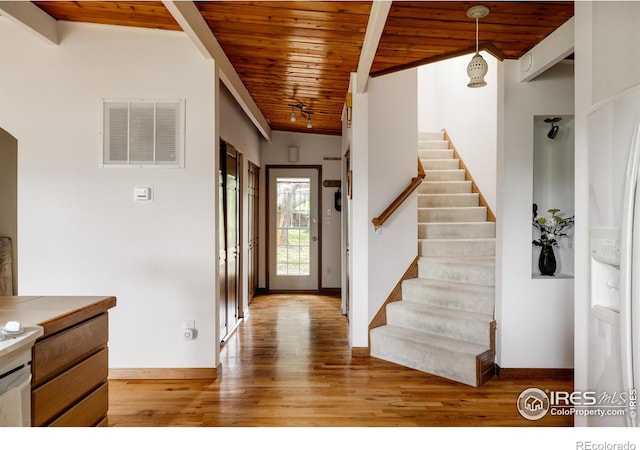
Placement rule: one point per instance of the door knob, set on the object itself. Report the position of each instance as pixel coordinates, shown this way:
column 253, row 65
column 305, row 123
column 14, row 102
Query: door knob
column 314, row 238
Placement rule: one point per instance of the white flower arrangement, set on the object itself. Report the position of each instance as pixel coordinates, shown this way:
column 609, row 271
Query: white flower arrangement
column 551, row 226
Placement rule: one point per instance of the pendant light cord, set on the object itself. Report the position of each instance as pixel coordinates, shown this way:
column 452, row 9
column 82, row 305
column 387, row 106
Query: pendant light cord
column 476, row 35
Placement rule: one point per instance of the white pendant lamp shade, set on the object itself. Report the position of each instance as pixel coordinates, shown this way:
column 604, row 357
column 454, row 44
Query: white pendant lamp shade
column 477, row 67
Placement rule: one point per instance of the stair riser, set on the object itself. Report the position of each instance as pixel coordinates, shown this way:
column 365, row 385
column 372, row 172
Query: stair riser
column 433, row 144
column 477, row 214
column 457, row 230
column 461, row 368
column 478, row 299
column 447, row 200
column 440, row 164
column 453, row 247
column 466, row 330
column 435, row 154
column 458, row 273
column 444, row 175
column 445, row 187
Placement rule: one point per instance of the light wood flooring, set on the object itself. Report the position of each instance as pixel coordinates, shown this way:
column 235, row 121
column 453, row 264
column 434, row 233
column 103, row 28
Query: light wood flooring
column 289, row 365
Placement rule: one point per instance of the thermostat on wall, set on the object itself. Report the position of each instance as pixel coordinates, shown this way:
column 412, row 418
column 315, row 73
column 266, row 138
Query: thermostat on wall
column 143, row 194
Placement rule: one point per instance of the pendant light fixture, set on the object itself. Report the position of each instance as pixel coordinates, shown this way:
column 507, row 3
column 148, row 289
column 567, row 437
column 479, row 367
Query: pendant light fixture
column 477, row 67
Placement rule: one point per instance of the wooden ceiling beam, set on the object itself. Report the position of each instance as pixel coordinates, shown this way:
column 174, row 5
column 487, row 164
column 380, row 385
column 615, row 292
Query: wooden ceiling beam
column 375, row 27
column 189, row 18
column 32, row 19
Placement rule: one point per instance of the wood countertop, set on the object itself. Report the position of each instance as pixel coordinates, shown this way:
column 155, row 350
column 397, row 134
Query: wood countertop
column 53, row 313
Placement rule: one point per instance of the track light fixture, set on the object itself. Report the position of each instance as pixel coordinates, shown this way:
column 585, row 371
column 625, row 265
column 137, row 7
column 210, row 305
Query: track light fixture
column 553, row 132
column 477, row 67
column 303, row 112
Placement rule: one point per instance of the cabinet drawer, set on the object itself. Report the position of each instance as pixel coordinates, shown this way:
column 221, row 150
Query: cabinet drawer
column 88, row 412
column 55, row 396
column 53, row 355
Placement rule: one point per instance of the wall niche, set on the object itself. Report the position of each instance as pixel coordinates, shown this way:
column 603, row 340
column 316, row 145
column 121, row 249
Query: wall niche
column 553, row 185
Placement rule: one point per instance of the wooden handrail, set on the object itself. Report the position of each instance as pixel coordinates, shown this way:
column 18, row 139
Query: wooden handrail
column 413, row 185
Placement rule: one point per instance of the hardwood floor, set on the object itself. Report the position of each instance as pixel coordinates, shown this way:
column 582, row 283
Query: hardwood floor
column 289, row 365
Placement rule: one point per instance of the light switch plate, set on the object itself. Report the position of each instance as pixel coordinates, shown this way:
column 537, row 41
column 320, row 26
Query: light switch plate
column 142, row 194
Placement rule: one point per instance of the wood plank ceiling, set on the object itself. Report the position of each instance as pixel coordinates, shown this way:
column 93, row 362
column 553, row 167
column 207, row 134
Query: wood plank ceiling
column 289, row 52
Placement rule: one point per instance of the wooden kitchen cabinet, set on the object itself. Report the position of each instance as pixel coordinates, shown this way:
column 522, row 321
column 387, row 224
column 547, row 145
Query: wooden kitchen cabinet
column 68, row 368
column 70, row 361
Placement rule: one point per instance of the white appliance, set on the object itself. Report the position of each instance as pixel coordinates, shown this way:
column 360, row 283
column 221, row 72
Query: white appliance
column 614, row 220
column 15, row 375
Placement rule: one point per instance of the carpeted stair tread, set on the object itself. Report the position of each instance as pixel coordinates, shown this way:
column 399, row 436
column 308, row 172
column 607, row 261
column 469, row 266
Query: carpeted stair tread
column 457, row 247
column 437, row 164
column 480, row 261
column 443, row 342
column 433, row 144
column 445, row 187
column 442, row 356
column 463, row 325
column 452, row 214
column 478, row 270
column 448, row 200
column 445, row 175
column 444, row 230
column 431, row 135
column 443, row 312
column 446, row 294
column 435, row 153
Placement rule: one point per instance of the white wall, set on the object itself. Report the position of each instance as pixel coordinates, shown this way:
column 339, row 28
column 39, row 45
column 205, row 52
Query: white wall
column 9, row 196
column 393, row 149
column 384, row 150
column 81, row 232
column 534, row 316
column 359, row 221
column 313, row 148
column 616, row 46
column 468, row 114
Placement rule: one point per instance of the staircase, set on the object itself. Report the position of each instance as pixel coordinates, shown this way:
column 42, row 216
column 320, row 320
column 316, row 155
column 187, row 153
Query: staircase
column 444, row 323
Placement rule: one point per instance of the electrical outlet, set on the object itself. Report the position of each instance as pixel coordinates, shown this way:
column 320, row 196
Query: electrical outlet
column 189, row 334
column 189, row 331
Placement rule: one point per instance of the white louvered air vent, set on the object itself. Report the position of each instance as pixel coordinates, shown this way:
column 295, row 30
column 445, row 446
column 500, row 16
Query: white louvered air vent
column 143, row 133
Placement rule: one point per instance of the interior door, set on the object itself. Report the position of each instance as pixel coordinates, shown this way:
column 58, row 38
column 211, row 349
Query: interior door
column 293, row 228
column 346, row 220
column 222, row 252
column 233, row 242
column 253, row 217
column 229, row 239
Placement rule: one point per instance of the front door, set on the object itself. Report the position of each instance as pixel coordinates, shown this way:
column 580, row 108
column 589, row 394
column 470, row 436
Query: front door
column 293, row 228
